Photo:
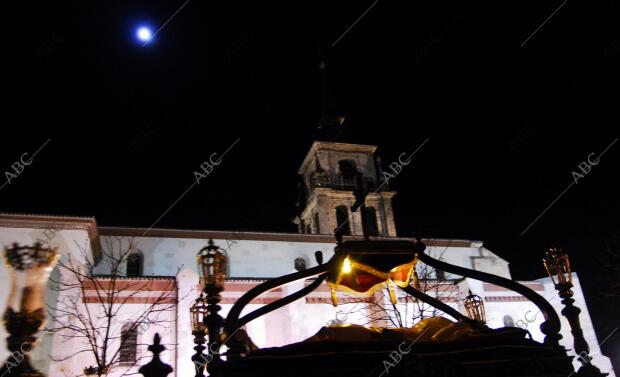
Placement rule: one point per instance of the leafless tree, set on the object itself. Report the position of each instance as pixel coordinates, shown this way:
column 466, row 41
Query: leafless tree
column 89, row 305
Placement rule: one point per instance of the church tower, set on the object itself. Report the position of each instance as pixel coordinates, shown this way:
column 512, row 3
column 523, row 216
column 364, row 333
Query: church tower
column 336, row 176
column 333, row 175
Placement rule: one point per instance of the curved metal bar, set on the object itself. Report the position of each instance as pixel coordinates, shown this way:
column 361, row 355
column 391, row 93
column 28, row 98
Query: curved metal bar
column 233, row 316
column 436, row 303
column 551, row 326
column 278, row 303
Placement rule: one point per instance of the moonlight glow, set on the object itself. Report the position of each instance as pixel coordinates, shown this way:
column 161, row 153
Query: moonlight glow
column 144, row 34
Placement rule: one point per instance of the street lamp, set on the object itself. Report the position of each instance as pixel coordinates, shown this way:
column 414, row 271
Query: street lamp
column 212, row 264
column 198, row 313
column 558, row 268
column 474, row 306
column 29, row 267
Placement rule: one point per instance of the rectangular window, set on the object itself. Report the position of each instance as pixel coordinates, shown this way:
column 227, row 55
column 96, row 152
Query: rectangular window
column 129, row 342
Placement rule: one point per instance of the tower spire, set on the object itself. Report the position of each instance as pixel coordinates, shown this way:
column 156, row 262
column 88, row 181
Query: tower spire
column 332, row 125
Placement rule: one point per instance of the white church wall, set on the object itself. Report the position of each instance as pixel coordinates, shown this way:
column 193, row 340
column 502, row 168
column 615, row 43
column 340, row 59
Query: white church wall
column 64, row 347
column 265, row 331
column 246, row 258
column 524, row 314
column 307, row 318
column 168, row 256
column 489, row 262
column 475, row 257
column 453, row 255
column 277, row 328
column 188, row 291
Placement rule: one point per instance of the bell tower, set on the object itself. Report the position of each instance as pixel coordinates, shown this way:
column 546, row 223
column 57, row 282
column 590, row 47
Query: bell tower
column 333, row 176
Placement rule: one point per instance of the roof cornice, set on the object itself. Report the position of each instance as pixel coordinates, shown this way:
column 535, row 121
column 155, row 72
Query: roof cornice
column 335, row 147
column 15, row 220
column 89, row 224
column 260, row 236
column 55, row 222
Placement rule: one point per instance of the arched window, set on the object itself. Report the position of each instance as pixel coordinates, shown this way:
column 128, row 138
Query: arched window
column 317, row 224
column 300, row 264
column 370, row 217
column 134, row 265
column 508, row 321
column 129, row 342
column 342, row 219
column 302, row 226
column 347, row 168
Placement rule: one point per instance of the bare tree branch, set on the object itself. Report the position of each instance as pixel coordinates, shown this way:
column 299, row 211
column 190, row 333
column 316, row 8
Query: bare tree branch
column 94, row 323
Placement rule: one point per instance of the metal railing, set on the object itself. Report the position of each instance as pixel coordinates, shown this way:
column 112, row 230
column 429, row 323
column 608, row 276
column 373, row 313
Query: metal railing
column 340, row 183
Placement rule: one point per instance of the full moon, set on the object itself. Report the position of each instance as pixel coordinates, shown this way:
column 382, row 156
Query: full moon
column 144, row 34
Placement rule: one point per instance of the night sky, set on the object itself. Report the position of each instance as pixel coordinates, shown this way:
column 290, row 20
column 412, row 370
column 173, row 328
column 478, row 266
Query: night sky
column 507, row 122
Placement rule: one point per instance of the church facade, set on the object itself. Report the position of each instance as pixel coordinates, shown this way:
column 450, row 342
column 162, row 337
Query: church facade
column 161, row 270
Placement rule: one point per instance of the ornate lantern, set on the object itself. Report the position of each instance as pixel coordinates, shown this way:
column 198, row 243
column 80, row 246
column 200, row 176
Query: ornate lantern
column 198, row 312
column 212, row 266
column 30, row 267
column 474, row 306
column 558, row 267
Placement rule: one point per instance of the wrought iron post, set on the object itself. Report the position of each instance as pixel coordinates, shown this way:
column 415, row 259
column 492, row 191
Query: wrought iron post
column 198, row 312
column 571, row 312
column 214, row 322
column 212, row 264
column 558, row 268
column 199, row 358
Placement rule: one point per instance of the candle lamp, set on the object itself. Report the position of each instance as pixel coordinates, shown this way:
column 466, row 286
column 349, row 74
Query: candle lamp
column 29, row 269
